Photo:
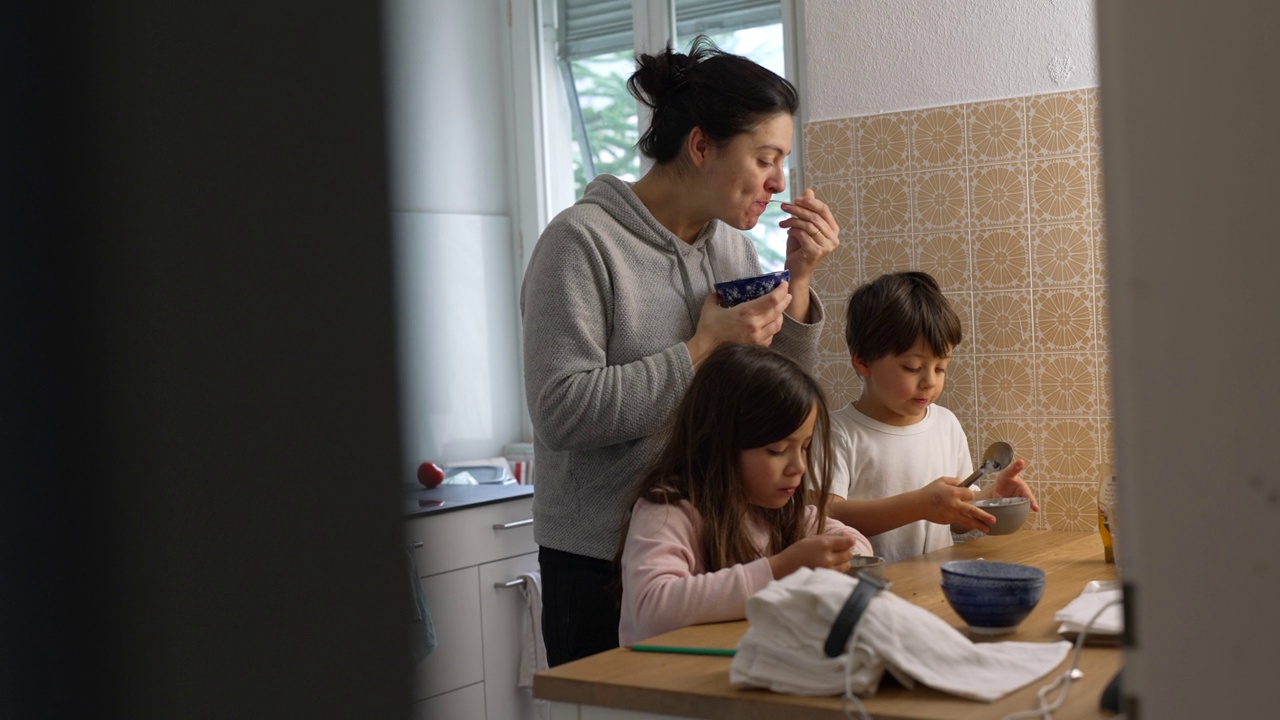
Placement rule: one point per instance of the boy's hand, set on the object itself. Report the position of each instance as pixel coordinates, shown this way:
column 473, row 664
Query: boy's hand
column 815, row 551
column 943, row 501
column 1009, row 483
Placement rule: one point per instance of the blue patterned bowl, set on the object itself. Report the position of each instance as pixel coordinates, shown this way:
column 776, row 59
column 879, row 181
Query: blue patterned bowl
column 741, row 290
column 992, row 598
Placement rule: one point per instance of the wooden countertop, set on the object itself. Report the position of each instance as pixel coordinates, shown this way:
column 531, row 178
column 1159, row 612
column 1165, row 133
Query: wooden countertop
column 697, row 686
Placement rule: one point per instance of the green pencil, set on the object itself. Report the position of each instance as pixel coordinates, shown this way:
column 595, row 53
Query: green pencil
column 683, row 650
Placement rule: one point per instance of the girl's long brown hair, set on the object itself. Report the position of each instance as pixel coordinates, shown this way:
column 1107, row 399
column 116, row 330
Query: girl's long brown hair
column 742, row 397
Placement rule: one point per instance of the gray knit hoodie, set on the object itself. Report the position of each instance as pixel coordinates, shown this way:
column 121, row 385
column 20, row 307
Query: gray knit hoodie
column 609, row 299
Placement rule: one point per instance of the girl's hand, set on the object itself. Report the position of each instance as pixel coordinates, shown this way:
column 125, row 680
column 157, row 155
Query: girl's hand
column 1009, row 483
column 754, row 322
column 815, row 551
column 812, row 234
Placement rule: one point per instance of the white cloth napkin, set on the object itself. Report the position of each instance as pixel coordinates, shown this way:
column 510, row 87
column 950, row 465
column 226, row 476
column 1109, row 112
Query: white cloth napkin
column 1078, row 612
column 790, row 619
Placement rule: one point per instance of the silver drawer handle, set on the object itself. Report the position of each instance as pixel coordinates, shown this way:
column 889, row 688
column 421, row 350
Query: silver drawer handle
column 418, row 545
column 509, row 584
column 510, row 525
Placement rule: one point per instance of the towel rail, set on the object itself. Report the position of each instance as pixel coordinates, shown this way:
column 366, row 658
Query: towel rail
column 509, row 584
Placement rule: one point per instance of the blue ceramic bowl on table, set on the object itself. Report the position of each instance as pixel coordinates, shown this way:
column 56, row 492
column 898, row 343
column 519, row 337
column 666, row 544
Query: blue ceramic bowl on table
column 992, row 598
column 733, row 292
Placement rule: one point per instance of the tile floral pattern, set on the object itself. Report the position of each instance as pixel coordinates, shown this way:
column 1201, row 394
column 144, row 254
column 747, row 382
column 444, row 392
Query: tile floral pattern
column 938, row 137
column 1001, row 201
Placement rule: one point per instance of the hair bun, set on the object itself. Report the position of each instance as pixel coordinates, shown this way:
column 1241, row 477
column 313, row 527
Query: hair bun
column 678, row 76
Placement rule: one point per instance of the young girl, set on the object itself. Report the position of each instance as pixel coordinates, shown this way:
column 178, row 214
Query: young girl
column 724, row 508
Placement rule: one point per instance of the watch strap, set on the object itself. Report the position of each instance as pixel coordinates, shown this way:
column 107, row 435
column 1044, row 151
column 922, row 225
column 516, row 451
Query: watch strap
column 851, row 612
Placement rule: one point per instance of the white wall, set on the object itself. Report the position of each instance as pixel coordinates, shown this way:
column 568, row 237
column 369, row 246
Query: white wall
column 864, row 57
column 447, row 70
column 452, row 172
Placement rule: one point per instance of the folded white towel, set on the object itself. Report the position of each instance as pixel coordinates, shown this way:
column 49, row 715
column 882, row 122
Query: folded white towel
column 1080, row 611
column 790, row 619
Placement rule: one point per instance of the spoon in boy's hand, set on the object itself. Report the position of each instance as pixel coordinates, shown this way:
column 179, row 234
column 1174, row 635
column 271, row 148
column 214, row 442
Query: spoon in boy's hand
column 996, row 458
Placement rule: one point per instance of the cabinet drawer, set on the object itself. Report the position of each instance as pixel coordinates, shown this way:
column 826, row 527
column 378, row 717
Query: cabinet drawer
column 474, row 536
column 454, row 601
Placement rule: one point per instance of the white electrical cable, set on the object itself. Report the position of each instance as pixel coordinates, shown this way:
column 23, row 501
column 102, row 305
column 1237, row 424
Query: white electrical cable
column 1045, row 709
column 848, row 696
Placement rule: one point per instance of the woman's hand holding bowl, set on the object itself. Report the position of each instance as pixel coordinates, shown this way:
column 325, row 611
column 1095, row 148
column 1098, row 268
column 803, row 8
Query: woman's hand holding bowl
column 754, row 322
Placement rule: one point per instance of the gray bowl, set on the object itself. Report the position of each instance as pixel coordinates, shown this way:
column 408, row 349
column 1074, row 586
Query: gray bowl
column 1010, row 513
column 870, row 564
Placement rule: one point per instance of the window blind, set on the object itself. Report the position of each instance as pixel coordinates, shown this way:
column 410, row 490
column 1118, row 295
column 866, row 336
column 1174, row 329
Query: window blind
column 595, row 27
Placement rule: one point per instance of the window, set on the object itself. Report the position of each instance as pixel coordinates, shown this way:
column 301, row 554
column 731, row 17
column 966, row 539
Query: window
column 595, row 51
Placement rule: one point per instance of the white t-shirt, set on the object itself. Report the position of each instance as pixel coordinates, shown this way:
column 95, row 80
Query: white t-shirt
column 873, row 460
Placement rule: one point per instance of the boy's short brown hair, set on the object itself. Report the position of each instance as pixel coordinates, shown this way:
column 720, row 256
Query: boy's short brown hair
column 887, row 315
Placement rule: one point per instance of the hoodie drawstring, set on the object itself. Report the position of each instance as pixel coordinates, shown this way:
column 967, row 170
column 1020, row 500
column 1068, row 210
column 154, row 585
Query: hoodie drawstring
column 693, row 305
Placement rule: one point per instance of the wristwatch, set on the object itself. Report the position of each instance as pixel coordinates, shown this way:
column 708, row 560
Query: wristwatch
column 851, row 613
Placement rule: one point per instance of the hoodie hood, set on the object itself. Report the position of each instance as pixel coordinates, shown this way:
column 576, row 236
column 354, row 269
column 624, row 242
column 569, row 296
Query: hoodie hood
column 616, row 197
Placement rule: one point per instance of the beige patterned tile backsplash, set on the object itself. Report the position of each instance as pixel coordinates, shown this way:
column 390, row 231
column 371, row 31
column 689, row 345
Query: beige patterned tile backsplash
column 1001, row 201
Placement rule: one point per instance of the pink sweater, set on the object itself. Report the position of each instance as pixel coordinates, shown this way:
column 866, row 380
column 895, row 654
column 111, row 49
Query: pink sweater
column 664, row 585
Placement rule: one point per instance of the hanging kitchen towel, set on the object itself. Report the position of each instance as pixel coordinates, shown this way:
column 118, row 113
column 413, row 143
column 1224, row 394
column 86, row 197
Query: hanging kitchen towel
column 422, row 632
column 790, row 619
column 533, row 654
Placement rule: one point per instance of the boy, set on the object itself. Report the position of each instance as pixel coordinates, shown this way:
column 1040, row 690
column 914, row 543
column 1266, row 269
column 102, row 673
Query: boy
column 887, row 444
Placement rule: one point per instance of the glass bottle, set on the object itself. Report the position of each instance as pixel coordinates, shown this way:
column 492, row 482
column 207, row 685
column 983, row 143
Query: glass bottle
column 1107, row 506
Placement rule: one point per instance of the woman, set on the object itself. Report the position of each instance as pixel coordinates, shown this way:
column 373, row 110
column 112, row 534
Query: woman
column 619, row 310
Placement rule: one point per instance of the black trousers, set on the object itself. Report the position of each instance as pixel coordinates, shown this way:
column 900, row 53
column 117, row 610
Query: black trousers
column 580, row 605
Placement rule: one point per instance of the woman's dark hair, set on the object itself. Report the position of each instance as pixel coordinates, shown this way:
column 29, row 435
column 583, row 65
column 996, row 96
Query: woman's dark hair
column 722, row 93
column 887, row 315
column 742, row 397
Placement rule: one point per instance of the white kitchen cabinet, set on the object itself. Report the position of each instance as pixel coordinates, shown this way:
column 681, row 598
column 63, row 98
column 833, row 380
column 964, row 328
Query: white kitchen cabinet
column 462, row 556
column 454, row 598
column 466, row 537
column 462, row 704
column 503, row 612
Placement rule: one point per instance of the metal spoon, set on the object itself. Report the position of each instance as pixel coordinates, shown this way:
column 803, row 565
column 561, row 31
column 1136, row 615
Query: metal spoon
column 996, row 458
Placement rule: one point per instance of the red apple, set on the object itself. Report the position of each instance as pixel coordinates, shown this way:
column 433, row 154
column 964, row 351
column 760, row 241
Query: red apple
column 430, row 474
